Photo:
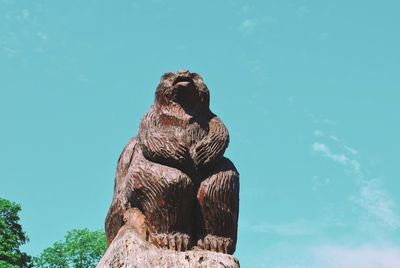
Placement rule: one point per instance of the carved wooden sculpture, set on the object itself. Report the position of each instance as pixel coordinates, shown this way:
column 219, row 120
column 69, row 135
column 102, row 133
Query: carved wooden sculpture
column 173, row 184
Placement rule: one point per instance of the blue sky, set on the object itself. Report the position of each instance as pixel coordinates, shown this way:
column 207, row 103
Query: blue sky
column 308, row 89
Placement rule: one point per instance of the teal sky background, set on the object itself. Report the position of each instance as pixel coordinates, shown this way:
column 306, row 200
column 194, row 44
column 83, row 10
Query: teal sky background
column 309, row 91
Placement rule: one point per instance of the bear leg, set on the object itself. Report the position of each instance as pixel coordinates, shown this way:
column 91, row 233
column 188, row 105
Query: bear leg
column 218, row 202
column 165, row 196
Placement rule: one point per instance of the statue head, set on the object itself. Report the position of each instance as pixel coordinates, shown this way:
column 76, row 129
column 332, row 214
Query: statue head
column 183, row 88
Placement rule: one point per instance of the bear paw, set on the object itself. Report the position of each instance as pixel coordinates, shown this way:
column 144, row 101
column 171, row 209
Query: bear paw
column 216, row 243
column 173, row 241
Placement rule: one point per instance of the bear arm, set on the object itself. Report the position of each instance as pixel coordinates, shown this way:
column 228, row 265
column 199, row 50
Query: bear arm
column 212, row 147
column 125, row 158
column 163, row 147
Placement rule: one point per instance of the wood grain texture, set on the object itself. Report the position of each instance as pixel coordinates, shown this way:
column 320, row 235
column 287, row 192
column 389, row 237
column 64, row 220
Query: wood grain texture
column 128, row 250
column 173, row 178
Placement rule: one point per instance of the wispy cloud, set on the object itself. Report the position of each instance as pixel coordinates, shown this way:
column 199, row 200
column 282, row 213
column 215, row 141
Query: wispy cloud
column 318, row 133
column 14, row 35
column 316, row 119
column 301, row 227
column 297, row 228
column 378, row 204
column 325, row 151
column 304, row 255
column 364, row 256
column 350, row 150
column 25, row 14
column 248, row 25
column 333, row 137
column 375, row 203
column 319, row 182
column 340, row 158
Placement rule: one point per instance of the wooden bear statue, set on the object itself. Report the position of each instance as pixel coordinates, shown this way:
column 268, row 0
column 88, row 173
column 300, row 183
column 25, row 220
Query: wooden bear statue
column 173, row 183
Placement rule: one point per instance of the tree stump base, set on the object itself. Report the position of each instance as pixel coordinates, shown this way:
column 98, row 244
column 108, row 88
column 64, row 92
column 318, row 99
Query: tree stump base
column 129, row 250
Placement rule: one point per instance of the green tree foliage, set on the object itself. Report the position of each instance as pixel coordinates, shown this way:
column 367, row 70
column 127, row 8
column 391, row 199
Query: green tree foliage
column 53, row 257
column 12, row 237
column 81, row 248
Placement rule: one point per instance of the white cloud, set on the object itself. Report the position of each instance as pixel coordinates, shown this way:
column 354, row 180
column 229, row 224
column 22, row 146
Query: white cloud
column 347, row 148
column 334, row 138
column 301, row 254
column 317, row 119
column 375, row 203
column 248, row 25
column 378, row 204
column 319, row 182
column 328, row 122
column 340, row 158
column 25, row 14
column 318, row 133
column 350, row 150
column 42, row 36
column 297, row 228
column 364, row 256
column 325, row 151
column 260, row 21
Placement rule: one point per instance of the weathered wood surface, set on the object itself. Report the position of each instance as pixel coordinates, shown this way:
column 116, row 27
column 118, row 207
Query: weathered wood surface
column 129, row 250
column 173, row 184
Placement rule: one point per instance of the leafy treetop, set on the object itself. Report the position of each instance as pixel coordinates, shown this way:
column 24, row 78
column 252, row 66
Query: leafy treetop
column 12, row 237
column 81, row 248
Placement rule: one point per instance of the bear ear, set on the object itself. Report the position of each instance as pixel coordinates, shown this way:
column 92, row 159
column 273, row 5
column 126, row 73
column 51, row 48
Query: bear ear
column 167, row 76
column 160, row 97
